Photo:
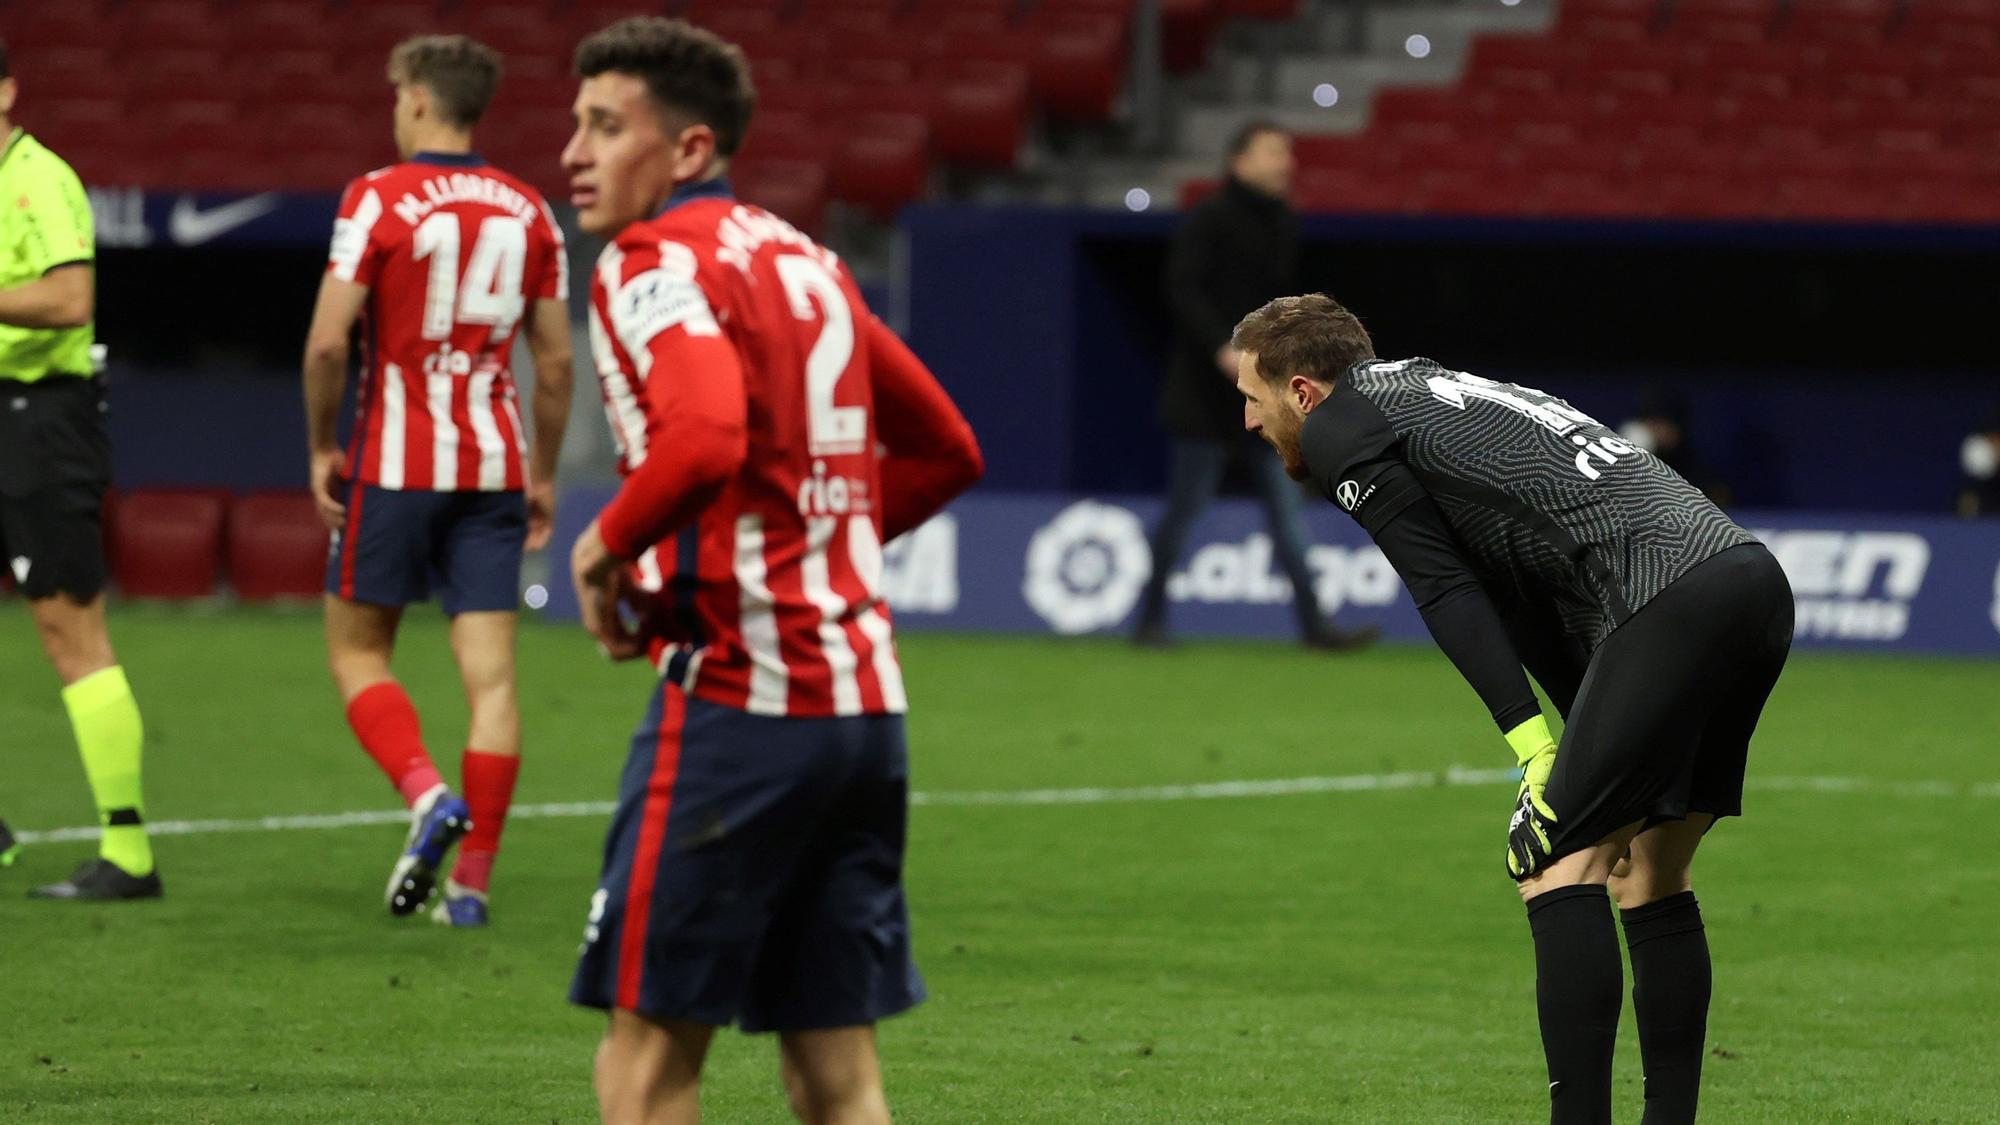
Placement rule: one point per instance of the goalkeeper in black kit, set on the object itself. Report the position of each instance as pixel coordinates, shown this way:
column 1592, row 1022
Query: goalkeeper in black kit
column 1532, row 538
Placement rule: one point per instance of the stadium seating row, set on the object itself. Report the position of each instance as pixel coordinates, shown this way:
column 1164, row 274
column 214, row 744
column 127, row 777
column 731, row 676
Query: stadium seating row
column 1672, row 117
column 257, row 94
column 180, row 543
column 1783, row 21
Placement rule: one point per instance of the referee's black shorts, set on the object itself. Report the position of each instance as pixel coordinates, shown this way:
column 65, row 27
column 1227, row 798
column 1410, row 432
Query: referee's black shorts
column 55, row 464
column 1662, row 722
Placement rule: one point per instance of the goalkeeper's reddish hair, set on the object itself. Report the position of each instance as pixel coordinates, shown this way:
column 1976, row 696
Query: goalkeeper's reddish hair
column 1311, row 335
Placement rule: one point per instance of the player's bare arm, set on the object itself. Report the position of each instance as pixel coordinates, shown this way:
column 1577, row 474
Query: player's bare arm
column 549, row 343
column 64, row 297
column 325, row 366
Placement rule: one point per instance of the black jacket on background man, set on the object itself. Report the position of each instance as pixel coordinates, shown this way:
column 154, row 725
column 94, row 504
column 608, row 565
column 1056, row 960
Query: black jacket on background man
column 1236, row 250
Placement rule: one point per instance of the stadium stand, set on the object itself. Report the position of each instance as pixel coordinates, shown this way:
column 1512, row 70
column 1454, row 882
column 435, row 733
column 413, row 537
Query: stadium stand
column 166, row 543
column 1813, row 109
column 241, row 94
column 277, row 546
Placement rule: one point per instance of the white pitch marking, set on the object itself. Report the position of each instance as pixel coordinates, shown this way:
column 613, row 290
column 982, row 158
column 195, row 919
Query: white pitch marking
column 1455, row 776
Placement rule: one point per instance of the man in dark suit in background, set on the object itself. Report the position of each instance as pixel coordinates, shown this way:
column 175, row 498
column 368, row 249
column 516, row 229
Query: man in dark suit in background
column 1235, row 251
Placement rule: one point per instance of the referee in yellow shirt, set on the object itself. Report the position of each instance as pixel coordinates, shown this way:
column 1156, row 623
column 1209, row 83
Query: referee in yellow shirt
column 55, row 463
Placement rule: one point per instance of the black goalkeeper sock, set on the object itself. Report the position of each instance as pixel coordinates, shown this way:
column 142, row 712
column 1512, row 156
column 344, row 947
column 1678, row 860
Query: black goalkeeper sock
column 1670, row 990
column 1579, row 985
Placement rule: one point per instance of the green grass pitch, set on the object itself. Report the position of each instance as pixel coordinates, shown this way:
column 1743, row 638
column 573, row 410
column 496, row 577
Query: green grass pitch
column 1319, row 957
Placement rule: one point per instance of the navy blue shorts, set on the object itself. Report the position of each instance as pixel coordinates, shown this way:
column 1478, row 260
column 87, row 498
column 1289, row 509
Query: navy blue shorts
column 754, row 872
column 401, row 547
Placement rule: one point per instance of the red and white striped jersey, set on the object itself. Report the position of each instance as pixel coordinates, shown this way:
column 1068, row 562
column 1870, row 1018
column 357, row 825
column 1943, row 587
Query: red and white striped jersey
column 771, row 597
column 452, row 251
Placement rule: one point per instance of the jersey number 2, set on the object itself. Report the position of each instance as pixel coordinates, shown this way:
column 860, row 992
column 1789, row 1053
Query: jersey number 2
column 830, row 429
column 491, row 293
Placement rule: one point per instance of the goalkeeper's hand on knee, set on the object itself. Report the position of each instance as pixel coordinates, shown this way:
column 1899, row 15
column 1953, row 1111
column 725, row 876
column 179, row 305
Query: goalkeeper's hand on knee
column 1528, row 828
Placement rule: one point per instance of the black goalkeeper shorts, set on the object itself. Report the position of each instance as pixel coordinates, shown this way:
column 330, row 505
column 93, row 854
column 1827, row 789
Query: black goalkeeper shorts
column 55, row 465
column 1662, row 722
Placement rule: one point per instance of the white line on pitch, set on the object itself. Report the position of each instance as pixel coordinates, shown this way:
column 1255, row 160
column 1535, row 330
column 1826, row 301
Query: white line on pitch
column 1206, row 791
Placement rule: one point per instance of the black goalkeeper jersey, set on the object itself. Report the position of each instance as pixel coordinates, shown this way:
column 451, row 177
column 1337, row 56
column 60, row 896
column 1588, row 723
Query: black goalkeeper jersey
column 1516, row 520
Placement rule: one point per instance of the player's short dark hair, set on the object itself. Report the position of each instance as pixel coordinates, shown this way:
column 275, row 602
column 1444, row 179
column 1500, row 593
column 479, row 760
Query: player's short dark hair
column 460, row 72
column 1247, row 133
column 1311, row 335
column 6, row 71
column 685, row 68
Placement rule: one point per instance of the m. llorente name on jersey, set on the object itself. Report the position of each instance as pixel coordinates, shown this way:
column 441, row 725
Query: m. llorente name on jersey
column 463, row 187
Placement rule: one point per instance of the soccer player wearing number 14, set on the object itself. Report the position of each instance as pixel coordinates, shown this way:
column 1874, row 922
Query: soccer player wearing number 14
column 440, row 258
column 1529, row 535
column 753, row 871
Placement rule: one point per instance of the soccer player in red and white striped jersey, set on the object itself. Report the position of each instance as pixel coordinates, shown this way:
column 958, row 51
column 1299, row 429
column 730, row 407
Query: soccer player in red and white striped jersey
column 440, row 259
column 774, row 436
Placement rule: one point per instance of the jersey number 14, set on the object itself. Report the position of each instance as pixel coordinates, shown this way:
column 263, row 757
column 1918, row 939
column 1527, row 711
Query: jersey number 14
column 490, row 291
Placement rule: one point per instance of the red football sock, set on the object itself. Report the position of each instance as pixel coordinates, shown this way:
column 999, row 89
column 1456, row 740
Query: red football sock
column 489, row 789
column 386, row 724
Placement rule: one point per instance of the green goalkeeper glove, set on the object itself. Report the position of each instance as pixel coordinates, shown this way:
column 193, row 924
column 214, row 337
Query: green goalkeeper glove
column 1527, row 829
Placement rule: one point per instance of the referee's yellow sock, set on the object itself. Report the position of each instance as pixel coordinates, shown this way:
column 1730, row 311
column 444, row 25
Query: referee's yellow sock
column 109, row 735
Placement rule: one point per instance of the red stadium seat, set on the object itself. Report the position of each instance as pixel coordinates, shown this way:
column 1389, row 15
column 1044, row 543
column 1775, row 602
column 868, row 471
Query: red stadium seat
column 172, row 25
column 1745, row 70
column 1518, row 62
column 1643, row 69
column 1344, row 191
column 1079, row 69
column 793, row 190
column 1607, row 20
column 979, row 116
column 1453, row 158
column 1951, row 23
column 513, row 29
column 1327, row 152
column 1701, row 196
column 1445, row 111
column 1874, row 71
column 369, row 30
column 167, row 543
column 1864, row 22
column 883, row 162
column 277, row 25
column 35, row 27
column 277, row 546
column 1471, row 194
column 269, row 76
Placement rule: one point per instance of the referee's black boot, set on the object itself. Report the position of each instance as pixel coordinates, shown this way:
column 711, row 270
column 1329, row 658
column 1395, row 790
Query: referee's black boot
column 10, row 848
column 100, row 880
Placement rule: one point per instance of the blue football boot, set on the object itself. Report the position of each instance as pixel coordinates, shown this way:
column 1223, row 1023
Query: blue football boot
column 437, row 822
column 459, row 906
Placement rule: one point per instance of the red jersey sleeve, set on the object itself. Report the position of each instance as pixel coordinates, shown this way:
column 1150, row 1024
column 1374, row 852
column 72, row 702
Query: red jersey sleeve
column 932, row 454
column 358, row 229
column 694, row 399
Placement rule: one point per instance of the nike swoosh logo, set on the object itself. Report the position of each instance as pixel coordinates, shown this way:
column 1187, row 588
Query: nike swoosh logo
column 189, row 225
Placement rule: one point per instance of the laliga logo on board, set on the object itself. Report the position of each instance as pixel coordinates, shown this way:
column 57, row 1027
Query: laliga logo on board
column 1086, row 567
column 1854, row 585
